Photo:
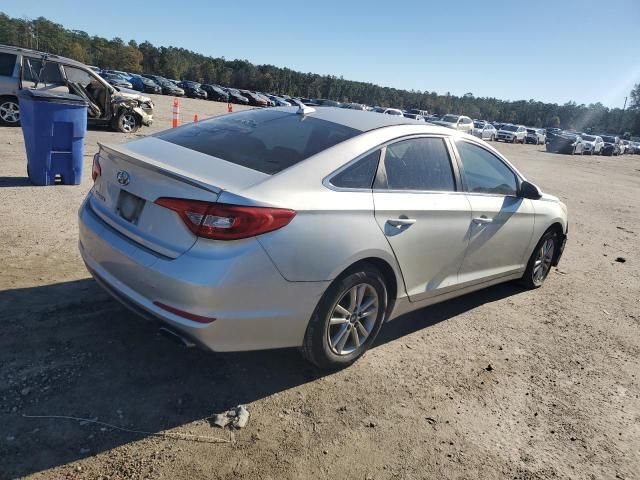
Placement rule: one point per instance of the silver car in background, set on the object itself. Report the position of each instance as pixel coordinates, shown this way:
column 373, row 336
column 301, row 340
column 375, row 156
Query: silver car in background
column 456, row 122
column 536, row 136
column 484, row 130
column 306, row 228
column 512, row 133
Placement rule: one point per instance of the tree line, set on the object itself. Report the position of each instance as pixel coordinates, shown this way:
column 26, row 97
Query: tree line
column 178, row 63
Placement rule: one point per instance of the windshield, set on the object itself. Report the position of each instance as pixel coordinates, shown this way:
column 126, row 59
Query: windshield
column 268, row 141
column 379, row 110
column 510, row 128
column 609, row 139
column 450, row 118
column 588, row 138
column 478, row 124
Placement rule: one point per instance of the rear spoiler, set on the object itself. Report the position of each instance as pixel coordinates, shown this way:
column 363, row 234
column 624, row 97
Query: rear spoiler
column 159, row 167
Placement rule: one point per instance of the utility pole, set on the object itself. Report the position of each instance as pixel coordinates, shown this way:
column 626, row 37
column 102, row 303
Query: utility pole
column 622, row 115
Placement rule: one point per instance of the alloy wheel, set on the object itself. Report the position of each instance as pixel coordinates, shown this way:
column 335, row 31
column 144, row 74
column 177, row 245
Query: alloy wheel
column 10, row 112
column 543, row 260
column 353, row 319
column 128, row 122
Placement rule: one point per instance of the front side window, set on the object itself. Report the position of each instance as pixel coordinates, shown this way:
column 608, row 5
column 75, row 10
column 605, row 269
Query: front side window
column 360, row 174
column 484, row 172
column 7, row 64
column 419, row 164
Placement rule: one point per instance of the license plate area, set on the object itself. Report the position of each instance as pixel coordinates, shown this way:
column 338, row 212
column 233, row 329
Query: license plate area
column 129, row 206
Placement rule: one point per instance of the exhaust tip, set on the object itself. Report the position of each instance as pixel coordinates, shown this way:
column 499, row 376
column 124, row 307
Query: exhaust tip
column 176, row 337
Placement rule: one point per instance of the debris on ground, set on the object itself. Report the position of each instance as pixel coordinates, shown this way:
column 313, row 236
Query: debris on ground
column 235, row 418
column 489, row 368
column 621, row 259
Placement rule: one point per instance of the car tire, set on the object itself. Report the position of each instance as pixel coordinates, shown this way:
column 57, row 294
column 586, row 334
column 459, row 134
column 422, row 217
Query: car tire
column 330, row 341
column 127, row 122
column 541, row 261
column 9, row 112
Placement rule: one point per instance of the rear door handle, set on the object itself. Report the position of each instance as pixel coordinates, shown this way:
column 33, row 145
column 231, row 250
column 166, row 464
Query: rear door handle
column 482, row 220
column 401, row 222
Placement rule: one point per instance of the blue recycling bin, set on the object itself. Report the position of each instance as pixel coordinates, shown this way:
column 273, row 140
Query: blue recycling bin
column 54, row 126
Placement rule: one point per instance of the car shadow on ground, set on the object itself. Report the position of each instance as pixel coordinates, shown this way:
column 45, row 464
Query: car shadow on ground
column 69, row 349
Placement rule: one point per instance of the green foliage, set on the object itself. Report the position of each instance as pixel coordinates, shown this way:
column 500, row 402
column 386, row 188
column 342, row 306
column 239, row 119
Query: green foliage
column 179, row 63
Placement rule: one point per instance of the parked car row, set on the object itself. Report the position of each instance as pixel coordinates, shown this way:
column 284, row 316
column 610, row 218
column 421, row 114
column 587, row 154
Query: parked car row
column 576, row 143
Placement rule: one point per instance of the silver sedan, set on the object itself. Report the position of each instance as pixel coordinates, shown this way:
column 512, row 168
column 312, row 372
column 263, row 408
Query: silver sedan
column 310, row 228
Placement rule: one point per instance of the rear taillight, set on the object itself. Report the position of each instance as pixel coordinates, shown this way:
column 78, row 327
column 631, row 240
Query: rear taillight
column 220, row 221
column 96, row 171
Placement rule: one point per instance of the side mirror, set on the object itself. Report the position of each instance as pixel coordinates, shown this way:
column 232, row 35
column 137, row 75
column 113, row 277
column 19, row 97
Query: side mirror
column 530, row 191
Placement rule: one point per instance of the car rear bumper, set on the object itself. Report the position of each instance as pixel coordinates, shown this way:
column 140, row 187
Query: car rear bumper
column 236, row 283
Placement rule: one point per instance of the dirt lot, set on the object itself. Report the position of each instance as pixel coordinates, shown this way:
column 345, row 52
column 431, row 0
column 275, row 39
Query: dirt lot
column 503, row 383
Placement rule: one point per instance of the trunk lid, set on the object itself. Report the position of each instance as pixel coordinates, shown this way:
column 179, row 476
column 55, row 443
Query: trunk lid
column 134, row 175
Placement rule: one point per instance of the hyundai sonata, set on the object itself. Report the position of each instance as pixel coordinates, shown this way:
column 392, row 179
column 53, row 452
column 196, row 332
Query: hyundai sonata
column 309, row 228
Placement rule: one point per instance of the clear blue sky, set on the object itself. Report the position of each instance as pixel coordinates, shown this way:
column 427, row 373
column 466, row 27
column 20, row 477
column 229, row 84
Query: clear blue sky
column 552, row 51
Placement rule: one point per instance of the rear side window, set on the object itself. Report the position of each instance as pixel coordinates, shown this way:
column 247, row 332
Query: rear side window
column 7, row 64
column 268, row 141
column 419, row 164
column 50, row 75
column 484, row 172
column 360, row 174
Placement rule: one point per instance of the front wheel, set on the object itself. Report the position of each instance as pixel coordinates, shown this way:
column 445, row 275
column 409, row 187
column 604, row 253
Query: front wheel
column 347, row 319
column 541, row 261
column 127, row 122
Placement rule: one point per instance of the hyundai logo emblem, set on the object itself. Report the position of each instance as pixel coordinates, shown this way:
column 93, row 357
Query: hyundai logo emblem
column 123, row 177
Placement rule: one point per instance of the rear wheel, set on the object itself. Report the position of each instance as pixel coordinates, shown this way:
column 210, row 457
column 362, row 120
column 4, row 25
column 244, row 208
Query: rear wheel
column 347, row 319
column 541, row 260
column 9, row 112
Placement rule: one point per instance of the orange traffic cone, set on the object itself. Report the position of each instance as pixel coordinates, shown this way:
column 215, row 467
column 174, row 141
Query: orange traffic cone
column 229, row 107
column 176, row 112
column 195, row 118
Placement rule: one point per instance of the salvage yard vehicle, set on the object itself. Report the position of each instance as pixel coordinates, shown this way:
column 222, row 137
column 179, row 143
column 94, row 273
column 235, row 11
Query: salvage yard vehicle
column 457, row 122
column 388, row 111
column 116, row 80
column 512, row 133
column 537, row 136
column 611, row 145
column 192, row 89
column 214, row 92
column 230, row 231
column 568, row 143
column 484, row 130
column 22, row 68
column 168, row 88
column 592, row 144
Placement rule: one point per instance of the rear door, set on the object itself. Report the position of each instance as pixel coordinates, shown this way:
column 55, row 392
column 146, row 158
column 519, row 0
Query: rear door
column 421, row 213
column 502, row 223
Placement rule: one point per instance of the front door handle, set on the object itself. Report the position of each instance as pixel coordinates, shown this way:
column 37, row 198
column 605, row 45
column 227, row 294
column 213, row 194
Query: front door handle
column 482, row 220
column 401, row 222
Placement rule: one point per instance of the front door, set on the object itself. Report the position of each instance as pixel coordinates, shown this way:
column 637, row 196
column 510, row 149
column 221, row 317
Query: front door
column 423, row 216
column 502, row 222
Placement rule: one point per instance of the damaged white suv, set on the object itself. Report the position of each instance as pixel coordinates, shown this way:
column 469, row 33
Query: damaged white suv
column 20, row 68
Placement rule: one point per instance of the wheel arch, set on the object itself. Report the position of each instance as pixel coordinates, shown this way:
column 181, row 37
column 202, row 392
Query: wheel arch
column 392, row 278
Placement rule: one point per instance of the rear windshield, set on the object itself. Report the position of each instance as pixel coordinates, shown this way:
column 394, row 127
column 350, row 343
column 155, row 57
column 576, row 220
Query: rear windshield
column 450, row 118
column 268, row 141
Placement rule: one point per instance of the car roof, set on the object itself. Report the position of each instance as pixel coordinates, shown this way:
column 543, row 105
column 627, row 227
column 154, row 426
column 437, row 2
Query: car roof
column 50, row 56
column 357, row 119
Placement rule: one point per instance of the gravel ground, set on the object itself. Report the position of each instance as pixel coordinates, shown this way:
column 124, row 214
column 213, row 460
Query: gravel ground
column 502, row 383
